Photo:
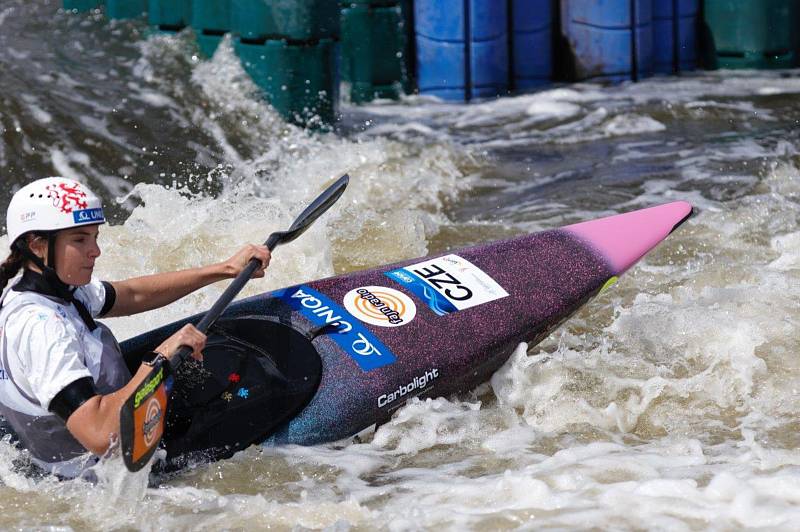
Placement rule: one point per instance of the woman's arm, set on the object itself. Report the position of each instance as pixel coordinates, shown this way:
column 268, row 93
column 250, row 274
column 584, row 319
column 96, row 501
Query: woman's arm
column 96, row 420
column 154, row 291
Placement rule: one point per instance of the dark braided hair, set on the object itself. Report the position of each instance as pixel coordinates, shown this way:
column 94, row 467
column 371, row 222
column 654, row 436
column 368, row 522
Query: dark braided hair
column 11, row 267
column 17, row 259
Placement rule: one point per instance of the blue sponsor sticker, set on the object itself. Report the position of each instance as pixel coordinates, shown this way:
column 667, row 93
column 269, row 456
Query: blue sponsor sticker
column 448, row 284
column 88, row 215
column 362, row 346
column 411, row 281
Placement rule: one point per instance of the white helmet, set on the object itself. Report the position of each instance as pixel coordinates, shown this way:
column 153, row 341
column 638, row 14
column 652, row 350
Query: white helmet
column 51, row 204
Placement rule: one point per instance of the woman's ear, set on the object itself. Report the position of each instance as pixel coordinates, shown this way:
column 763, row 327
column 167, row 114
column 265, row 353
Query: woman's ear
column 38, row 246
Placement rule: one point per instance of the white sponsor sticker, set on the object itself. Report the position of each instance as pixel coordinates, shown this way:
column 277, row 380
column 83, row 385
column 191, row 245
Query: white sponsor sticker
column 380, row 305
column 461, row 283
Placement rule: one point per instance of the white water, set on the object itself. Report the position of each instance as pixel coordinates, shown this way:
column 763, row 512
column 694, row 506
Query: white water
column 670, row 402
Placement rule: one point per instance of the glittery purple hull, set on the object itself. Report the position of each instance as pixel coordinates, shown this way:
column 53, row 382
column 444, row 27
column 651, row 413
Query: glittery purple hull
column 542, row 279
column 548, row 276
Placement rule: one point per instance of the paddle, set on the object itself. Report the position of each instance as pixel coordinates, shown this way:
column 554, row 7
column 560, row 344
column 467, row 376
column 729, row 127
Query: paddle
column 143, row 415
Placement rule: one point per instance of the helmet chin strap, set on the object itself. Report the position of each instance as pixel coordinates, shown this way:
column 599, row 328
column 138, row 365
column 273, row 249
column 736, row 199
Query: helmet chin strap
column 51, row 250
column 48, row 270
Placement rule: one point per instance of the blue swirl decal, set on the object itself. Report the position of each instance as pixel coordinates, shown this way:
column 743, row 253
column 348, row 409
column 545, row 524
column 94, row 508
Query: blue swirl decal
column 437, row 302
column 355, row 339
column 88, row 216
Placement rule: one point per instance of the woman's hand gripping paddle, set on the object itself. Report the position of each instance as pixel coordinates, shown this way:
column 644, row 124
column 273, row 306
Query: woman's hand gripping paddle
column 143, row 415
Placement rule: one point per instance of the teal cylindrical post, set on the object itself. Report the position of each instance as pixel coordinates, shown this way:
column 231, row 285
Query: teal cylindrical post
column 82, row 5
column 125, row 8
column 299, row 80
column 374, row 50
column 169, row 14
column 751, row 33
column 210, row 20
column 293, row 20
column 289, row 49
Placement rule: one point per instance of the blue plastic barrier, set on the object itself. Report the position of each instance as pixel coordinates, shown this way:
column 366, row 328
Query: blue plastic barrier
column 675, row 35
column 688, row 22
column 609, row 39
column 531, row 39
column 462, row 48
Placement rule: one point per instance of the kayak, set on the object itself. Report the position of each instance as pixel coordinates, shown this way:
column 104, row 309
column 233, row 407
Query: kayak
column 322, row 361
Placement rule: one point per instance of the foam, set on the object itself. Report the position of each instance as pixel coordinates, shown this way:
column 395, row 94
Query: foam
column 669, row 402
column 631, row 124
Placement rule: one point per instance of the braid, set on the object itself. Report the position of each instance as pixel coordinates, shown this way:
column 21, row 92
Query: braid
column 10, row 267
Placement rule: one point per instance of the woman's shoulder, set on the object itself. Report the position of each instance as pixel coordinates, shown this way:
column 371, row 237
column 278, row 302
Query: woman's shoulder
column 23, row 303
column 92, row 294
column 30, row 313
column 36, row 307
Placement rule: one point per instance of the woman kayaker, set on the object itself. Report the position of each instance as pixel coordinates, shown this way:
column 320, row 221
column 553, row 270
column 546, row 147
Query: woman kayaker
column 63, row 379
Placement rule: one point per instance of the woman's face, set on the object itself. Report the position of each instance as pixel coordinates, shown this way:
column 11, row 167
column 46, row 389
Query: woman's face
column 76, row 250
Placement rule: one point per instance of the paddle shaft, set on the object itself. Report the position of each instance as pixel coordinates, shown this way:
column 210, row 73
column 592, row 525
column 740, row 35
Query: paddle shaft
column 321, row 204
column 304, row 220
column 225, row 299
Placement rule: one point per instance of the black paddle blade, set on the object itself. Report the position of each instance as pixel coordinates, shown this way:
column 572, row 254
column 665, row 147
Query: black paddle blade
column 304, row 220
column 321, row 204
column 143, row 416
column 257, row 373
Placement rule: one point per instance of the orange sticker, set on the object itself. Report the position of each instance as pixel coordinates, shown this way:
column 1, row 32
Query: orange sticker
column 148, row 419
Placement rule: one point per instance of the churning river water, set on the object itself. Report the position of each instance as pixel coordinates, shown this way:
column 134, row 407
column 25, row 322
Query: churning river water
column 671, row 402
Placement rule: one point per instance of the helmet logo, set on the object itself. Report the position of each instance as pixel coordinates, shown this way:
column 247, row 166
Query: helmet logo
column 68, row 198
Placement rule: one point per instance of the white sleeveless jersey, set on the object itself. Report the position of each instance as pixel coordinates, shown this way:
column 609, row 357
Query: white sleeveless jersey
column 45, row 346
